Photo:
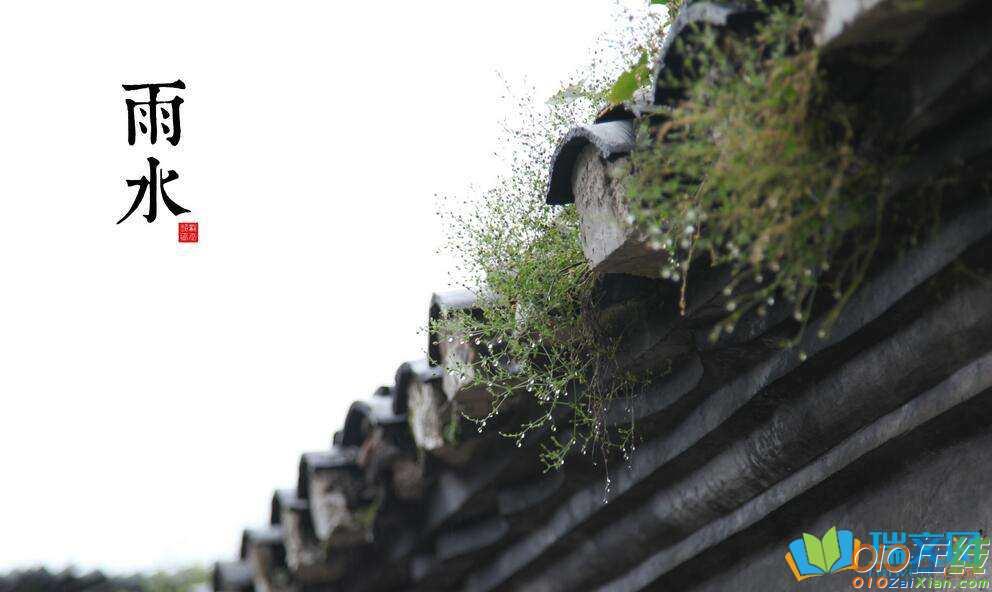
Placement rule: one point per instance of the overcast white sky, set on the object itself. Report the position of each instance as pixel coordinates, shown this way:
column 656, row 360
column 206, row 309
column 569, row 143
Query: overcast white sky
column 153, row 394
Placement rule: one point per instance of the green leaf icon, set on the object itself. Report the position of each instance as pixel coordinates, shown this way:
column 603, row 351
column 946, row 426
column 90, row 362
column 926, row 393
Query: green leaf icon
column 822, row 554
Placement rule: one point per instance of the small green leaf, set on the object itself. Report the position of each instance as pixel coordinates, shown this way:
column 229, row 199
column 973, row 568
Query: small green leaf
column 627, row 83
column 624, row 88
column 659, row 2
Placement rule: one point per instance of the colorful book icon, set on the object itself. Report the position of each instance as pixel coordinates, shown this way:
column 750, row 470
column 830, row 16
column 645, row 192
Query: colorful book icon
column 810, row 556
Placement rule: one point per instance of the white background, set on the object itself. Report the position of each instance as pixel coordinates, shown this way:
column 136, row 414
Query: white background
column 152, row 394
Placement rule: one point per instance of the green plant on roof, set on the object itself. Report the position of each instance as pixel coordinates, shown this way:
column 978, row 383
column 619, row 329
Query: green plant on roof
column 759, row 170
column 763, row 171
column 527, row 258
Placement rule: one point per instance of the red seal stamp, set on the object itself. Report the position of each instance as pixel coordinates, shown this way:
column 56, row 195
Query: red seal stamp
column 189, row 232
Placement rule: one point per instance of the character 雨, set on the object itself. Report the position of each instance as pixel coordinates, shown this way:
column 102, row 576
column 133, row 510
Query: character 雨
column 153, row 115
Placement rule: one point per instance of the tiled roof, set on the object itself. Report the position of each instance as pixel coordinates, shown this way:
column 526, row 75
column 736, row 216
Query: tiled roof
column 739, row 436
